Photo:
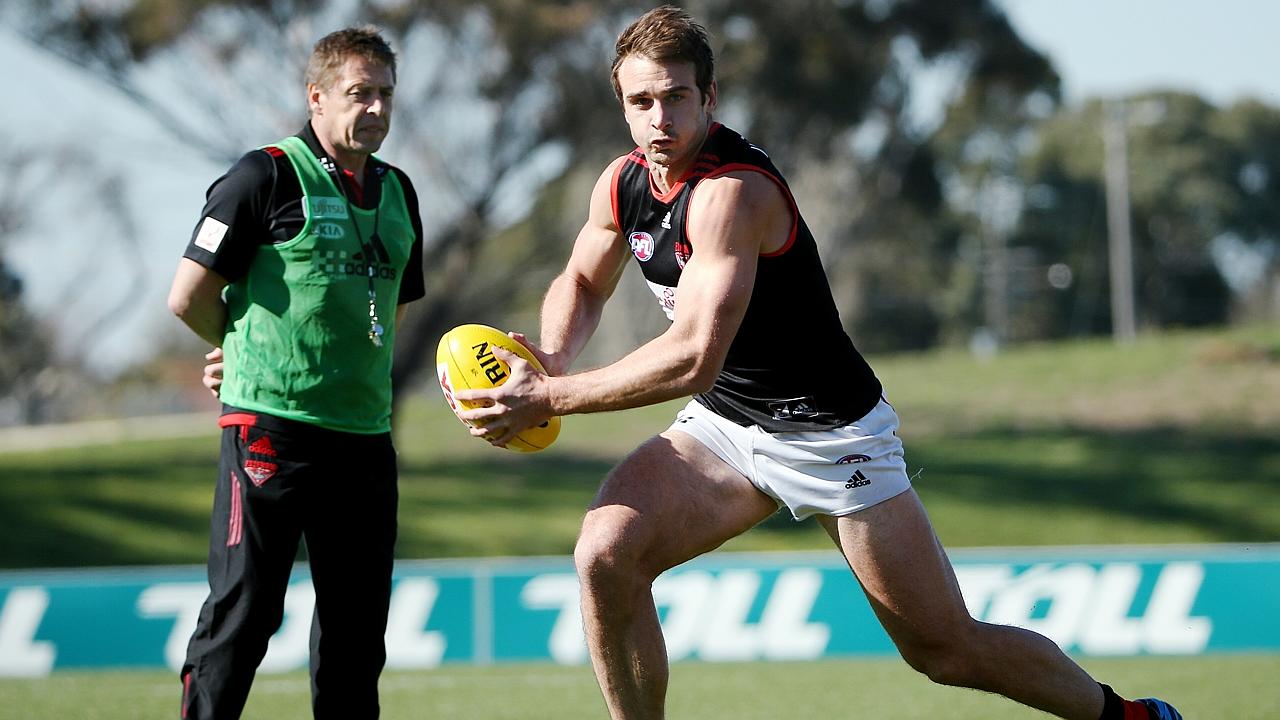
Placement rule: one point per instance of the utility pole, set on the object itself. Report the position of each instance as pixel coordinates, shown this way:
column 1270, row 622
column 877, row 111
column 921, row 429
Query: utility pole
column 1120, row 240
column 1000, row 206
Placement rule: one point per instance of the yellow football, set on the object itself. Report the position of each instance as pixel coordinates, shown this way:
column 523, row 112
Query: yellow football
column 465, row 361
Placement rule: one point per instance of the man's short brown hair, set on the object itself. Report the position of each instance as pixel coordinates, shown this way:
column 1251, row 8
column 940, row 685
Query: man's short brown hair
column 332, row 51
column 665, row 34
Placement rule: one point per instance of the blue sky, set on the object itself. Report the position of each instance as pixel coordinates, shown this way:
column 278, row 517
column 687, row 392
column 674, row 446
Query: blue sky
column 1221, row 49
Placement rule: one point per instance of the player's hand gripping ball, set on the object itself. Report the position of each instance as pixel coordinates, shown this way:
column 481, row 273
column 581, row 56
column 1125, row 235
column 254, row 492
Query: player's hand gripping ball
column 465, row 361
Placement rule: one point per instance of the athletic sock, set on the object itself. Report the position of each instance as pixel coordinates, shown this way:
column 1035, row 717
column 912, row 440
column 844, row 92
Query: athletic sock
column 1115, row 707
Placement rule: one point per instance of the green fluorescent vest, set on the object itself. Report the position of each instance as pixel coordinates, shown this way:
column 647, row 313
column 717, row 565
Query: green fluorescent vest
column 297, row 343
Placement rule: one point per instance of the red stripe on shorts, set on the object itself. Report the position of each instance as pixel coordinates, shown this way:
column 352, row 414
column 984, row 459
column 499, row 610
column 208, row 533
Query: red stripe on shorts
column 235, row 526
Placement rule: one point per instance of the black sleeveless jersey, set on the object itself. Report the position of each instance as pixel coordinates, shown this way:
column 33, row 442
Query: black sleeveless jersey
column 791, row 366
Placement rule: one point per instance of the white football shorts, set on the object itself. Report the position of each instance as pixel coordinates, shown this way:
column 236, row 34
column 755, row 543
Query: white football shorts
column 824, row 472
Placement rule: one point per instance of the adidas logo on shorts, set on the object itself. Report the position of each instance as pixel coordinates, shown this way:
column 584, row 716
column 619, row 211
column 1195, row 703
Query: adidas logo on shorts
column 857, row 480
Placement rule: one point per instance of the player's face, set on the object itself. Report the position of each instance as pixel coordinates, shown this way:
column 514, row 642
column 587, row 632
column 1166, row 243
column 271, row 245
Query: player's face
column 668, row 115
column 354, row 115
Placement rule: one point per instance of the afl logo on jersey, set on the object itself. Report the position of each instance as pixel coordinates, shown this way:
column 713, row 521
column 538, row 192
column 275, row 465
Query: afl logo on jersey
column 641, row 245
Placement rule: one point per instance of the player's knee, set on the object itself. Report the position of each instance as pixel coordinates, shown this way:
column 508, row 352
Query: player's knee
column 939, row 666
column 601, row 554
column 945, row 660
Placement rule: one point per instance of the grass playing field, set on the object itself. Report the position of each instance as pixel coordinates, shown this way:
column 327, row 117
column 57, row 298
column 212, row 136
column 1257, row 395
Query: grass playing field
column 1240, row 688
column 1169, row 440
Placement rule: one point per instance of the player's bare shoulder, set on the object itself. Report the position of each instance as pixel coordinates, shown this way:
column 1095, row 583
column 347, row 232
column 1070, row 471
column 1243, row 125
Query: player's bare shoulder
column 742, row 203
column 603, row 210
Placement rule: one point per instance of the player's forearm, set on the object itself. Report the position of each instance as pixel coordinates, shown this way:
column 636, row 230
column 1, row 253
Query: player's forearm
column 665, row 368
column 570, row 315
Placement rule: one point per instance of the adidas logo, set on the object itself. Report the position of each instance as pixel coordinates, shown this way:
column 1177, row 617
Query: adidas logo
column 857, row 480
column 262, row 446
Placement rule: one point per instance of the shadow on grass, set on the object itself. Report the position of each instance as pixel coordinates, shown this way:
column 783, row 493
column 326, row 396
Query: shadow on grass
column 1201, row 480
column 532, row 482
column 497, row 504
column 1214, row 482
column 108, row 508
column 149, row 503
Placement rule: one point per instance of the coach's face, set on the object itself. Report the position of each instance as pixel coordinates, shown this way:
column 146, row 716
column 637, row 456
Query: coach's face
column 353, row 115
column 668, row 115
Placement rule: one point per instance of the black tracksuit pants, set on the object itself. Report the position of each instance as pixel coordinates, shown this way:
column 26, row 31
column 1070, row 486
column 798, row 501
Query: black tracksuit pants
column 280, row 482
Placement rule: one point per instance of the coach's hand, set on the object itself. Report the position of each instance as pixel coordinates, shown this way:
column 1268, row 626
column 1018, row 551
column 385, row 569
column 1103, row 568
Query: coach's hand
column 213, row 371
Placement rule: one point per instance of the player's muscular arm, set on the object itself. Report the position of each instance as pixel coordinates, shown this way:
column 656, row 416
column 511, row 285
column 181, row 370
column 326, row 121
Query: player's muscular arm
column 573, row 304
column 732, row 219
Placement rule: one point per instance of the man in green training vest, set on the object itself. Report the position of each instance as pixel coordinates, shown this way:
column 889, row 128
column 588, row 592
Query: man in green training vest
column 298, row 273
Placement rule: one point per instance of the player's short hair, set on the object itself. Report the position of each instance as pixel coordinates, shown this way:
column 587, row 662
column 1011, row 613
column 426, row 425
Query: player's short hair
column 665, row 34
column 332, row 51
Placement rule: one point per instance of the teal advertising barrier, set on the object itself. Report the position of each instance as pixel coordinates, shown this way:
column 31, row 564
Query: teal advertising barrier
column 724, row 607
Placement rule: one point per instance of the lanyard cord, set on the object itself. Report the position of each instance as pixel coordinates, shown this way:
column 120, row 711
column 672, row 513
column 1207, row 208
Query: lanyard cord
column 367, row 249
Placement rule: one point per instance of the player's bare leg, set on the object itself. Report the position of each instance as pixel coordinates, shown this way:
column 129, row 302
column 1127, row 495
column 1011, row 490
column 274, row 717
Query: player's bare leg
column 892, row 549
column 669, row 501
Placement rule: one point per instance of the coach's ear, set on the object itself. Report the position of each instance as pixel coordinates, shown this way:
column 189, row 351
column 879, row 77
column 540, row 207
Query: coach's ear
column 709, row 102
column 313, row 99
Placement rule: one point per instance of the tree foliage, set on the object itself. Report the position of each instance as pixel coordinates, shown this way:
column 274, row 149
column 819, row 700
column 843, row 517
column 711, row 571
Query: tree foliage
column 823, row 85
column 1199, row 176
column 505, row 114
column 29, row 371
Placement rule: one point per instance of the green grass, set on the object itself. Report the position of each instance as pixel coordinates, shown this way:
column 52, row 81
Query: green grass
column 1168, row 440
column 1239, row 687
column 1171, row 439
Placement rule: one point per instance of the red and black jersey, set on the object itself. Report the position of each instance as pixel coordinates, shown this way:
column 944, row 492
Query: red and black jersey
column 791, row 366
